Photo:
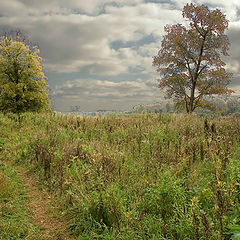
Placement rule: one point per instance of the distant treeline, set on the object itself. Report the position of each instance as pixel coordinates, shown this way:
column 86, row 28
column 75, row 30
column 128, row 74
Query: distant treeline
column 224, row 105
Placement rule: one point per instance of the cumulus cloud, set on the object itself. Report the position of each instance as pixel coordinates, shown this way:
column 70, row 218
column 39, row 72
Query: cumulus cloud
column 76, row 41
column 94, row 88
column 234, row 59
column 107, row 38
column 90, row 7
column 115, row 94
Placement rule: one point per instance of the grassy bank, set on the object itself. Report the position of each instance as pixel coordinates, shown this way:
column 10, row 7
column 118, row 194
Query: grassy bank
column 135, row 177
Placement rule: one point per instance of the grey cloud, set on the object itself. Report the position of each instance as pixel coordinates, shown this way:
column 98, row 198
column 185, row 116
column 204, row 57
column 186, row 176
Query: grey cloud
column 12, row 8
column 106, row 94
column 233, row 61
column 102, row 88
column 75, row 42
column 92, row 7
column 79, row 36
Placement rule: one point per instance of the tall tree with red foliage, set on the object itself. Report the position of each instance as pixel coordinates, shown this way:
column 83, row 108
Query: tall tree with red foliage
column 189, row 60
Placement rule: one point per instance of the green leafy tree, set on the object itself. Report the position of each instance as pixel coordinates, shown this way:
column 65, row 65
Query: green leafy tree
column 189, row 60
column 23, row 84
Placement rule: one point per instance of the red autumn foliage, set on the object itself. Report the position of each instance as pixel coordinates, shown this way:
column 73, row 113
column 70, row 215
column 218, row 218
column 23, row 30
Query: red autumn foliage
column 189, row 60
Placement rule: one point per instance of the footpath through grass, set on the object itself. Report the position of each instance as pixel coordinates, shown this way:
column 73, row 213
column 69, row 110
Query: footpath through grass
column 26, row 211
column 137, row 177
column 15, row 222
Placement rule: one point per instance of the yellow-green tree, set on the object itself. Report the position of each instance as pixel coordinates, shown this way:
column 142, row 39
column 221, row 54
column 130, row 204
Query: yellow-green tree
column 23, row 84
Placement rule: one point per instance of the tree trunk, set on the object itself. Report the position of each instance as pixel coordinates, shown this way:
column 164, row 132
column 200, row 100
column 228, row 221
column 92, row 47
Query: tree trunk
column 191, row 103
column 194, row 79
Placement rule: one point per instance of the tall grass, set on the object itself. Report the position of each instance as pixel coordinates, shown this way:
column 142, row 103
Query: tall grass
column 15, row 223
column 135, row 177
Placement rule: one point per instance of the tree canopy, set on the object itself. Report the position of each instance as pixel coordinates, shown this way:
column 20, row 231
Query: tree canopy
column 189, row 60
column 23, row 84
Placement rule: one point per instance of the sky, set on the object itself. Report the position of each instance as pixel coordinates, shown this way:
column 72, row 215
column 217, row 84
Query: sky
column 97, row 54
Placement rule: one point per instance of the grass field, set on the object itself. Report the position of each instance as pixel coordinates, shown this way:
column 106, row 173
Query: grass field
column 15, row 222
column 155, row 176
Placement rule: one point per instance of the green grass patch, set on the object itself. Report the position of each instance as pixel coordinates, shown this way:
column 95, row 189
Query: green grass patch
column 15, row 223
column 147, row 176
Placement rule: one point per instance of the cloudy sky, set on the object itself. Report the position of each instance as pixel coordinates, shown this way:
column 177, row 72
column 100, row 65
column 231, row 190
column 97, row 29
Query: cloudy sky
column 98, row 53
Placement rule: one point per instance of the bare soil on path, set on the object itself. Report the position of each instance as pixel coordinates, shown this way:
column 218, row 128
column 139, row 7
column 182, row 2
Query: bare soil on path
column 41, row 207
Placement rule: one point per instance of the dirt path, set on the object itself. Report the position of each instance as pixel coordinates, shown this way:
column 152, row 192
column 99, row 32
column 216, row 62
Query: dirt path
column 51, row 228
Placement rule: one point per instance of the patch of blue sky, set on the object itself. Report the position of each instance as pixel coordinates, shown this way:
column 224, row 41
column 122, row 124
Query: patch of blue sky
column 55, row 79
column 238, row 13
column 136, row 70
column 159, row 1
column 99, row 11
column 132, row 44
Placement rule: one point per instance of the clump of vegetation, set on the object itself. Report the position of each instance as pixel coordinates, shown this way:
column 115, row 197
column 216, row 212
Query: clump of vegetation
column 217, row 106
column 23, row 85
column 189, row 60
column 147, row 176
column 14, row 219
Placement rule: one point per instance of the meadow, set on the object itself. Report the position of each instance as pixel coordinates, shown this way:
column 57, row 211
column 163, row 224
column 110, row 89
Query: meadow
column 137, row 177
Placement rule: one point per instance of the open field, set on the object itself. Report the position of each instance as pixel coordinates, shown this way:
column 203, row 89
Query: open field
column 143, row 176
